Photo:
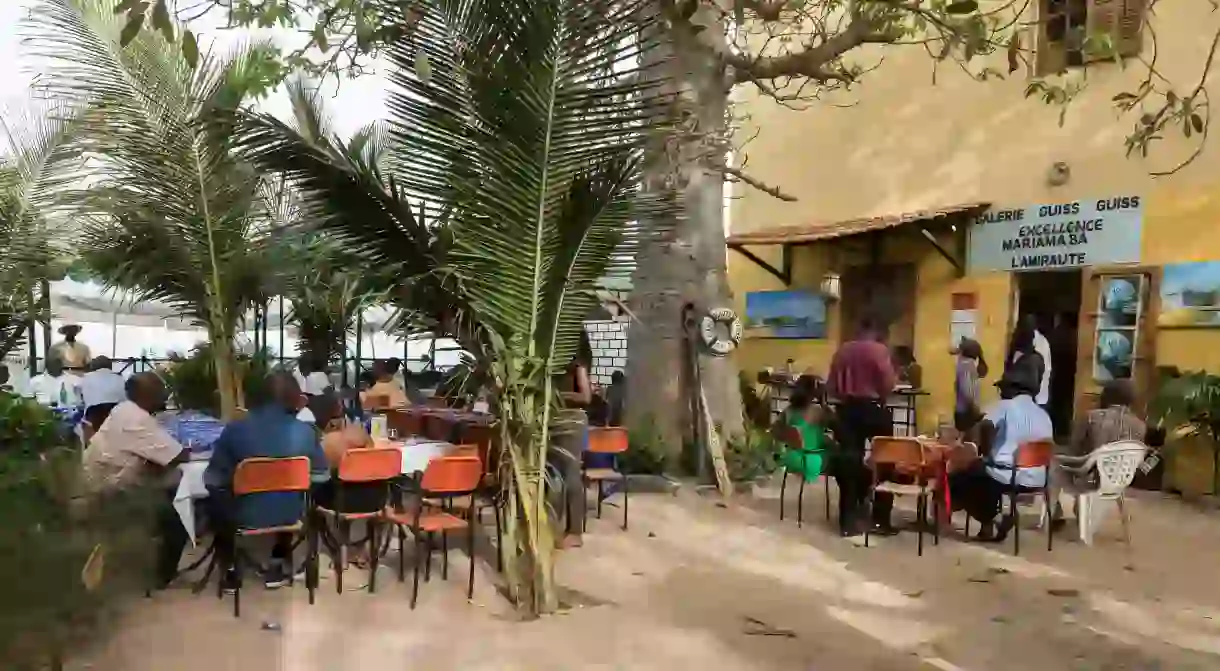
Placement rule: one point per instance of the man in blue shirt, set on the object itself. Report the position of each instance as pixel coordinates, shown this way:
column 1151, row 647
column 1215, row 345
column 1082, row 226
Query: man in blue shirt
column 271, row 430
column 1015, row 419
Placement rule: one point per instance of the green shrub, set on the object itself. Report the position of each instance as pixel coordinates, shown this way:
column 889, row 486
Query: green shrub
column 752, row 455
column 646, row 450
column 191, row 380
column 46, row 539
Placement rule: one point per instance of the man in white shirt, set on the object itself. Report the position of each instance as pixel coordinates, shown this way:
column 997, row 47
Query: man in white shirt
column 101, row 389
column 131, row 448
column 1014, row 420
column 55, row 387
column 312, row 381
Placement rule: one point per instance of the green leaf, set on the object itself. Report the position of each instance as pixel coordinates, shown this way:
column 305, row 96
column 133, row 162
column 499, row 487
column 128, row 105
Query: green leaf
column 126, row 6
column 134, row 24
column 319, row 37
column 962, row 7
column 190, row 49
column 161, row 20
column 1122, row 97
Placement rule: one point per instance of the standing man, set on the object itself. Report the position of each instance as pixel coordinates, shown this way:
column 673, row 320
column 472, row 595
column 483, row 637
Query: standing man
column 101, row 389
column 74, row 355
column 861, row 377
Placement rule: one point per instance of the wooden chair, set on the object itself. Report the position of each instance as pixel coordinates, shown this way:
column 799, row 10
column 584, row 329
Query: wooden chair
column 1030, row 454
column 791, row 437
column 405, row 423
column 438, row 427
column 610, row 440
column 905, row 457
column 263, row 476
column 371, row 467
column 437, row 402
column 445, row 479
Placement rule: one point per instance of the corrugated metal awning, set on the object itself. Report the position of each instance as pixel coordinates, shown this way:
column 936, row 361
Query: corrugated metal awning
column 816, row 232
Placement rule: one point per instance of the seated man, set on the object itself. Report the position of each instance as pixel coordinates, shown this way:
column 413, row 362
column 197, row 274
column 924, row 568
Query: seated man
column 1112, row 422
column 56, row 387
column 130, row 448
column 385, row 392
column 271, row 430
column 1015, row 419
column 101, row 389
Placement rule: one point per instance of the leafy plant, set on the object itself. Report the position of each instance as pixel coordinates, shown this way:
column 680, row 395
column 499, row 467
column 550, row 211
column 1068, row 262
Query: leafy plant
column 165, row 206
column 523, row 125
column 1188, row 404
column 646, row 450
column 191, row 380
column 752, row 455
column 45, row 542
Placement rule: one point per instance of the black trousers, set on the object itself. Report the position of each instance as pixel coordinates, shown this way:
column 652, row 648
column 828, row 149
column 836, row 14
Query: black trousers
column 976, row 492
column 97, row 414
column 172, row 539
column 860, row 420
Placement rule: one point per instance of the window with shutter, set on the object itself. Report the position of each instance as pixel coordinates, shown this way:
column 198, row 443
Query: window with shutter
column 1070, row 30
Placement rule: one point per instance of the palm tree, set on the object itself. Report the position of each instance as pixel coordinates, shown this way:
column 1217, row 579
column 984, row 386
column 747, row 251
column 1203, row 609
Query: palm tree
column 523, row 122
column 31, row 247
column 168, row 210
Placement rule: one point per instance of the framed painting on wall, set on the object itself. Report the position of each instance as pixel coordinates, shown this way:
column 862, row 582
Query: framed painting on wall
column 785, row 314
column 1190, row 295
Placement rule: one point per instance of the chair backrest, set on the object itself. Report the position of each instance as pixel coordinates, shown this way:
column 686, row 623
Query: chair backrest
column 452, row 475
column 607, row 439
column 791, row 436
column 1116, row 465
column 262, row 474
column 437, row 402
column 406, row 423
column 904, row 454
column 371, row 464
column 437, row 427
column 482, row 436
column 1034, row 454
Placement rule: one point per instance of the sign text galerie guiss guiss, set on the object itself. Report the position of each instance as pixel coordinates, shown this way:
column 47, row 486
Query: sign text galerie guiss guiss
column 1060, row 235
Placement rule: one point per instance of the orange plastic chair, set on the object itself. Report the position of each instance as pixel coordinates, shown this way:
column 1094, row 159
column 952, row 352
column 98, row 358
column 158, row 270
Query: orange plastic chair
column 1030, row 454
column 445, row 479
column 368, row 466
column 908, row 457
column 262, row 475
column 607, row 440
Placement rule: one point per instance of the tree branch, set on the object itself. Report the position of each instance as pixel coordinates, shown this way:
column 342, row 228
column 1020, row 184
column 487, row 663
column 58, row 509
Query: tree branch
column 736, row 175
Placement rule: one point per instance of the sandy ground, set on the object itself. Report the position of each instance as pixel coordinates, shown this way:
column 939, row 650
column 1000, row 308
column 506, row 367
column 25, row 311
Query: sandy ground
column 688, row 583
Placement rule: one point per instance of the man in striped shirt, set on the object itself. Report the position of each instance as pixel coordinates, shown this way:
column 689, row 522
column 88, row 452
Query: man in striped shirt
column 1015, row 419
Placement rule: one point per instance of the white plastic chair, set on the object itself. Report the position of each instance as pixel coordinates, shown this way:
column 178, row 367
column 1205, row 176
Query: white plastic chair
column 1116, row 464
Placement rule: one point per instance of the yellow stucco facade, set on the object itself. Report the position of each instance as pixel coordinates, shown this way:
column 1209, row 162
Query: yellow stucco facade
column 907, row 144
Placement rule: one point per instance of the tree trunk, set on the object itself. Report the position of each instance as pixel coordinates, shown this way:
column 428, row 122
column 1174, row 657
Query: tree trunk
column 228, row 381
column 687, row 267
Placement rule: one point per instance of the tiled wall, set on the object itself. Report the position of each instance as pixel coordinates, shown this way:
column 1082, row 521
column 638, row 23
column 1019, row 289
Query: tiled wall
column 608, row 338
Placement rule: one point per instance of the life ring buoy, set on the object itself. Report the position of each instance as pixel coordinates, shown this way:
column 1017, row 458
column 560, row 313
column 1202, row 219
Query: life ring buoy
column 720, row 330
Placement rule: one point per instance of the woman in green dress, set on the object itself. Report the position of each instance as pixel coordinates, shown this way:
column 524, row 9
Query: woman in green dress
column 807, row 418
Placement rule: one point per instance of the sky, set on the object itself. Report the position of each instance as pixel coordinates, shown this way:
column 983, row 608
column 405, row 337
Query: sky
column 352, row 103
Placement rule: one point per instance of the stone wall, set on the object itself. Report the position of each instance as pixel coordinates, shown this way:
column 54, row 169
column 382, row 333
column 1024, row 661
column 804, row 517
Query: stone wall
column 608, row 339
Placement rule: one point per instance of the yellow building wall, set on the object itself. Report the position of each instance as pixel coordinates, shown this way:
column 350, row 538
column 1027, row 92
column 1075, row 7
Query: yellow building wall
column 904, row 143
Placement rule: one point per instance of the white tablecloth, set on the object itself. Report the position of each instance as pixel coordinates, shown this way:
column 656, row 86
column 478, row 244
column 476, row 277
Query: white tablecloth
column 190, row 488
column 416, row 453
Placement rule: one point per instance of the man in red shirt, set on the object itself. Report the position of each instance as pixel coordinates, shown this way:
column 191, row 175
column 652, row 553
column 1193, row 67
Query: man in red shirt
column 861, row 378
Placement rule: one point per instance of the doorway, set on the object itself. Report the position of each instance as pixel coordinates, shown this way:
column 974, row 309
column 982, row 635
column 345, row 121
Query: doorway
column 1052, row 298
